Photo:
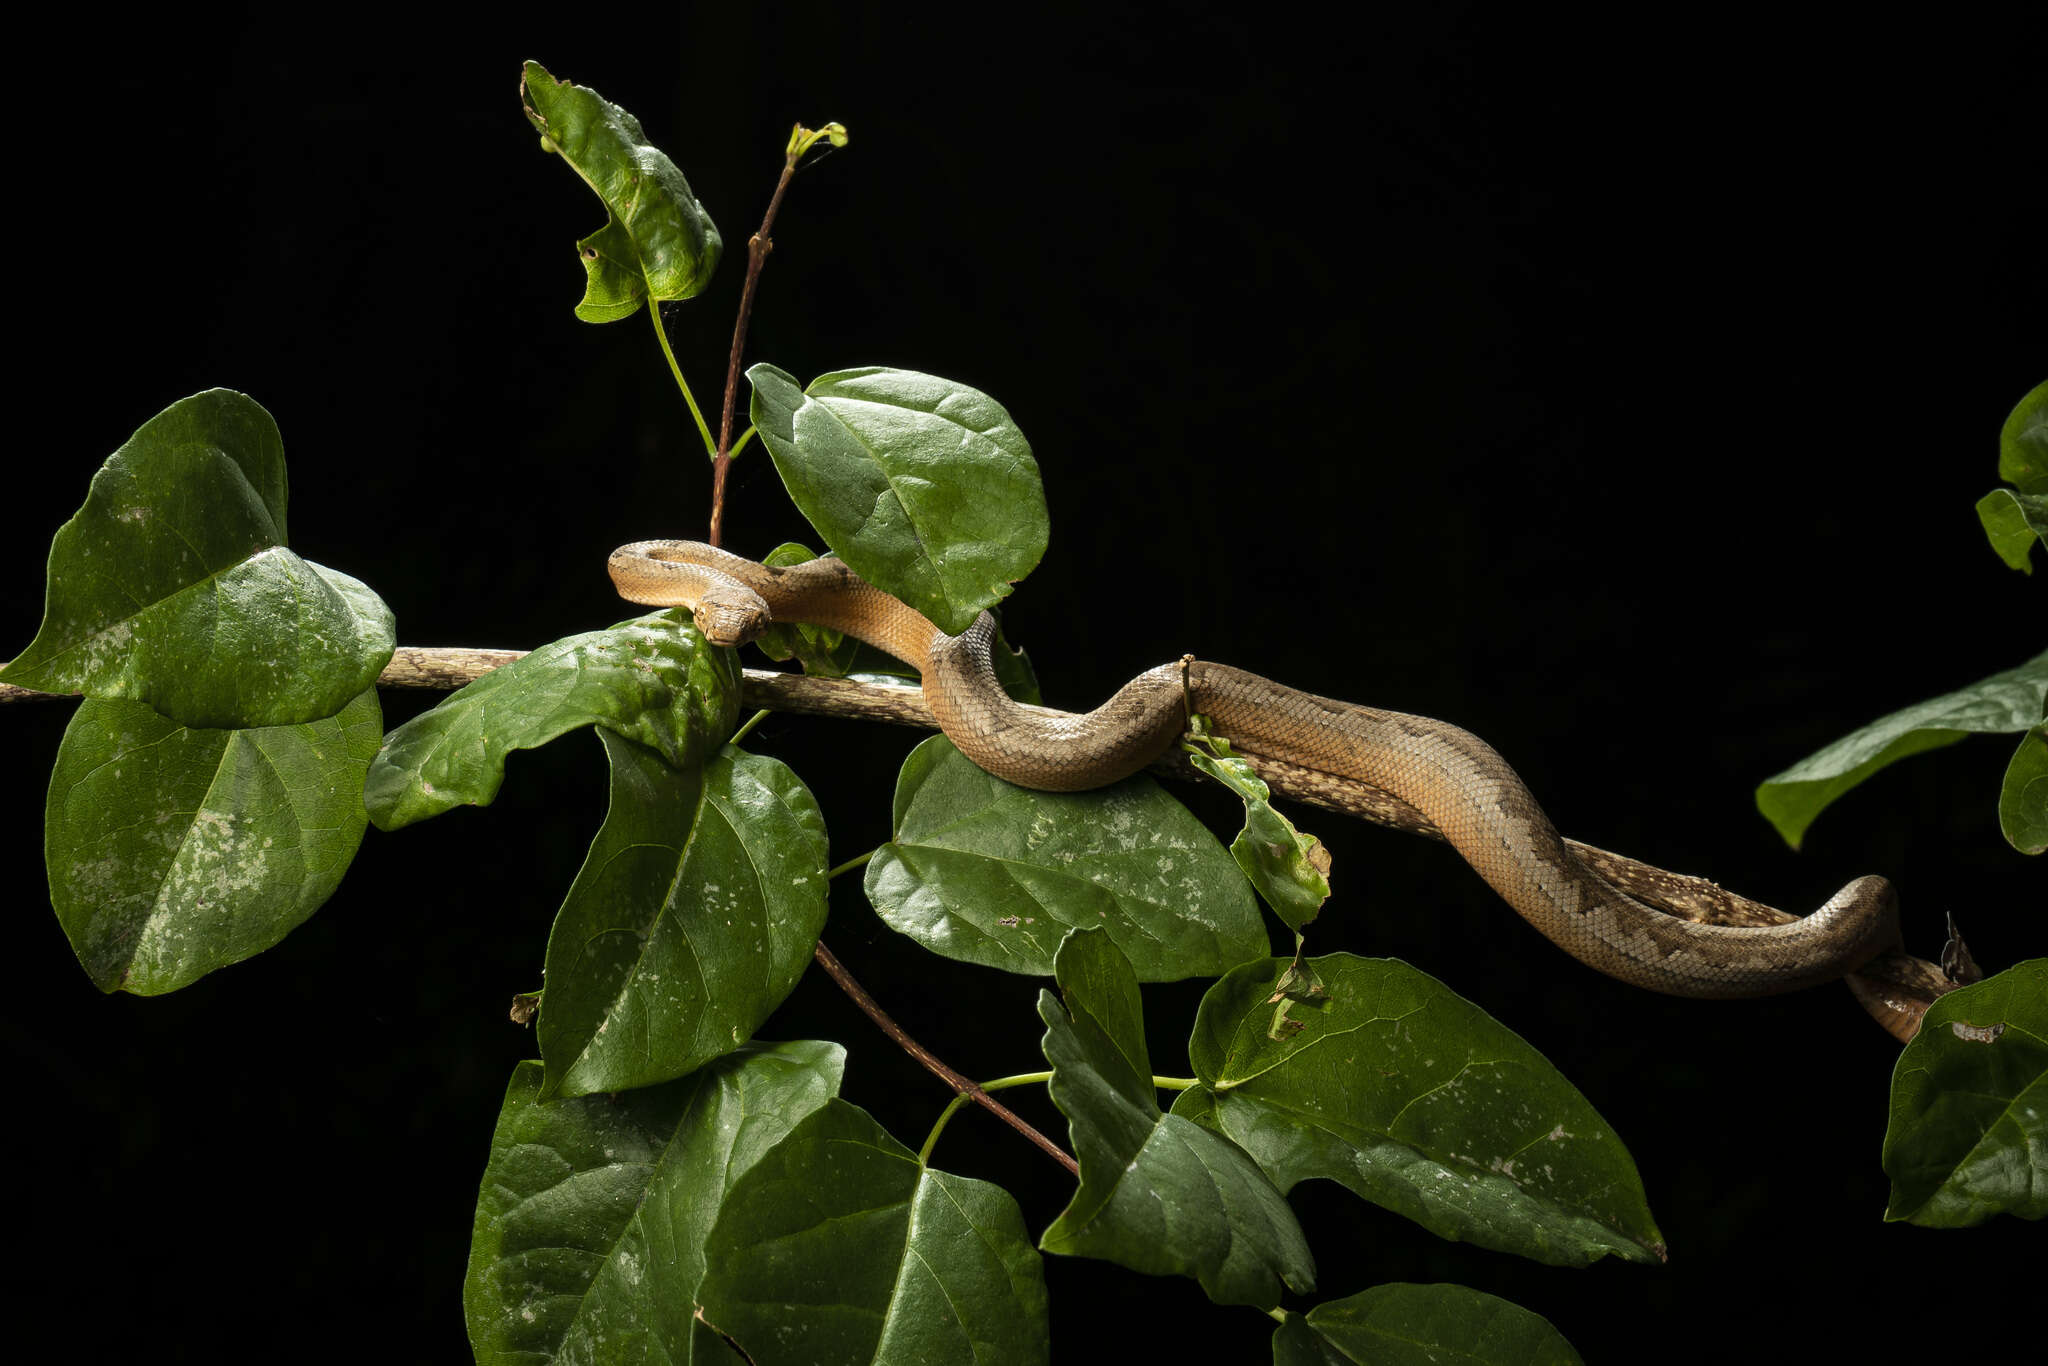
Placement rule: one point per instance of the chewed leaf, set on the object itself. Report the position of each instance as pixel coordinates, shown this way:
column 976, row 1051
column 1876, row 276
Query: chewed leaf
column 2001, row 704
column 986, row 872
column 924, row 486
column 654, row 680
column 1412, row 1097
column 1968, row 1136
column 172, row 584
column 657, row 242
column 693, row 916
column 1291, row 870
column 173, row 851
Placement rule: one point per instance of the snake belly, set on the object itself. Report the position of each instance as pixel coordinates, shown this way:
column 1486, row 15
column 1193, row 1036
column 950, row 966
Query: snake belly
column 1454, row 778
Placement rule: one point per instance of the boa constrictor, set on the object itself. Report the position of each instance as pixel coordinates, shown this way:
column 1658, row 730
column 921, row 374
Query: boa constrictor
column 1454, row 778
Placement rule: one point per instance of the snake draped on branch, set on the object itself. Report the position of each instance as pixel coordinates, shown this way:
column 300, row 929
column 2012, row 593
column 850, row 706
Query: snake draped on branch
column 1453, row 778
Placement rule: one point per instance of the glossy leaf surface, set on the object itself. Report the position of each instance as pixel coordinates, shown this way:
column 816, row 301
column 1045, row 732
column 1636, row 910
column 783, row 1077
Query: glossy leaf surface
column 922, row 485
column 1968, row 1136
column 1420, row 1325
column 2023, row 797
column 173, row 851
column 1412, row 1097
column 172, row 584
column 1158, row 1194
column 692, row 917
column 986, row 872
column 837, row 1246
column 2003, row 703
column 654, row 680
column 590, row 1225
column 657, row 241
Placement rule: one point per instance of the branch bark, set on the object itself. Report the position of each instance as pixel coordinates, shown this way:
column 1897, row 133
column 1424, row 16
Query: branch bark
column 1896, row 988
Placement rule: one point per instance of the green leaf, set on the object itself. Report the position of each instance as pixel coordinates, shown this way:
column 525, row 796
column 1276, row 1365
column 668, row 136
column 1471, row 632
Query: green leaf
column 693, row 916
column 1158, row 1194
column 173, row 851
column 2023, row 798
column 1968, row 1136
column 2023, row 441
column 922, row 485
column 172, row 584
column 1420, row 1325
column 1412, row 1097
column 2013, row 522
column 654, row 680
column 2003, row 703
column 657, row 241
column 985, row 872
column 1290, row 870
column 837, row 1246
column 591, row 1221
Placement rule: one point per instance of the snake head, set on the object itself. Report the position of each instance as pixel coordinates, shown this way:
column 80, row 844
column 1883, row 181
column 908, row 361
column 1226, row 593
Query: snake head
column 731, row 614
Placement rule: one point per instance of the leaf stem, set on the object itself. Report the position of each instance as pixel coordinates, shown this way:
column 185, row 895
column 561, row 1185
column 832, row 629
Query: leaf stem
column 741, row 444
column 752, row 721
column 962, row 1085
column 851, row 863
column 1176, row 1083
column 661, row 335
column 945, row 1116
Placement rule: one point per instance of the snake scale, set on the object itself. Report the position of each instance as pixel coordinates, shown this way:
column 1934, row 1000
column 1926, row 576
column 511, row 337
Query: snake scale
column 1453, row 777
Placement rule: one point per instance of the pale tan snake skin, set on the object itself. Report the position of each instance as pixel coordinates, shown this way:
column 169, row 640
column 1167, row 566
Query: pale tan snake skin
column 1454, row 778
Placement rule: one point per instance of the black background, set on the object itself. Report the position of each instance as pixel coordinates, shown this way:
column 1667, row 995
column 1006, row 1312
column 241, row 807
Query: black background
column 1617, row 390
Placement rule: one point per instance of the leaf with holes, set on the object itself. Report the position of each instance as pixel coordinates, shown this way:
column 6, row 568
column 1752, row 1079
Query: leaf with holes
column 922, row 485
column 657, row 241
column 1410, row 1096
column 693, row 916
column 173, row 586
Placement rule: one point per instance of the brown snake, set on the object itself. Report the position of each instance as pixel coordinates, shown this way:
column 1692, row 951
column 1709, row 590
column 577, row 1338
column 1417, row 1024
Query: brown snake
column 1452, row 777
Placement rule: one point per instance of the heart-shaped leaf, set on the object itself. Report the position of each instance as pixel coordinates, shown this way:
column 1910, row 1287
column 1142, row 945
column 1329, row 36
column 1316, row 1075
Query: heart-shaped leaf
column 1968, row 1136
column 922, row 485
column 986, row 872
column 693, row 916
column 173, row 851
column 1409, row 1095
column 172, row 584
column 839, row 1245
column 590, row 1226
column 657, row 241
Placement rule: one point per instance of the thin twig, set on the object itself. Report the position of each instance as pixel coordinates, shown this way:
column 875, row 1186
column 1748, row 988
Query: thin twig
column 758, row 247
column 966, row 1086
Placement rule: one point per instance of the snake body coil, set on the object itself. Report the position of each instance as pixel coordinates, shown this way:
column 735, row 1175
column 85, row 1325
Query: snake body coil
column 1454, row 778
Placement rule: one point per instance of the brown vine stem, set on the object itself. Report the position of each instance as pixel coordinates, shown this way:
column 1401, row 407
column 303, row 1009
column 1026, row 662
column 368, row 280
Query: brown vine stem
column 966, row 1086
column 758, row 247
column 1895, row 987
